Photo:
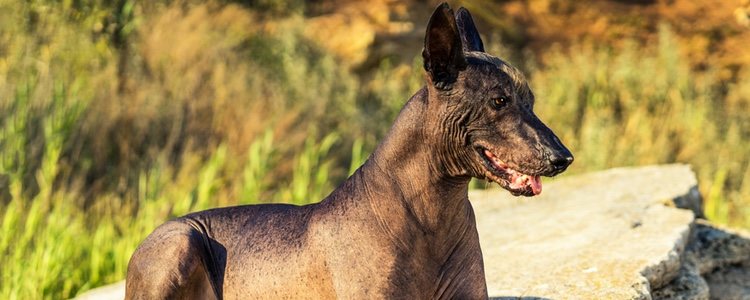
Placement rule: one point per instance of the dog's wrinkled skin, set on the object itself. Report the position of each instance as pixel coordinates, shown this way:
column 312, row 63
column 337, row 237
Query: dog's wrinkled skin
column 401, row 226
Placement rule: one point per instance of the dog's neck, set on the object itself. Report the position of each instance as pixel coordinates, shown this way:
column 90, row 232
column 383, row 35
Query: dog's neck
column 407, row 186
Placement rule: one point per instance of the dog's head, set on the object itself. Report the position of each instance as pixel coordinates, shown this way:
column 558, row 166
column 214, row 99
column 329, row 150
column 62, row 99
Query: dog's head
column 488, row 127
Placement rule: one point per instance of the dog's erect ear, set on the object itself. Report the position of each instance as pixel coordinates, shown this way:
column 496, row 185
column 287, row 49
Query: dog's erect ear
column 469, row 34
column 443, row 54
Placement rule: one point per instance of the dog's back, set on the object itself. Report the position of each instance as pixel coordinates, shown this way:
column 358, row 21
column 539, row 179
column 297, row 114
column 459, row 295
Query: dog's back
column 269, row 251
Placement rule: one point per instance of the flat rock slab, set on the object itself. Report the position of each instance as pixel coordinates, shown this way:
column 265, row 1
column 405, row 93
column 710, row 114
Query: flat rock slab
column 115, row 291
column 615, row 234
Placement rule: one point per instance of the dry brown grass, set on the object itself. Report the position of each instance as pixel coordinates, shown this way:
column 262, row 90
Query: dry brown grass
column 200, row 75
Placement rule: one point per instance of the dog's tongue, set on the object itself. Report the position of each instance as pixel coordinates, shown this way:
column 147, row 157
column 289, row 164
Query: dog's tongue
column 521, row 181
column 536, row 184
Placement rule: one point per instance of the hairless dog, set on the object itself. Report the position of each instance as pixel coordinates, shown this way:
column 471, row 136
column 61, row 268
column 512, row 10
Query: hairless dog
column 401, row 226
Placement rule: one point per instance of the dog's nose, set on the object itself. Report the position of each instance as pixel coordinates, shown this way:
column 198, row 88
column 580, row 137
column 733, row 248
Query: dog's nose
column 561, row 162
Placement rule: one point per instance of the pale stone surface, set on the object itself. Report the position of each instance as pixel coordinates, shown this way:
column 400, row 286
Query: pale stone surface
column 115, row 291
column 607, row 235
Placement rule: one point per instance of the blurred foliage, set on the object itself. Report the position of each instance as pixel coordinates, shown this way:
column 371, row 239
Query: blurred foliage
column 712, row 34
column 118, row 115
column 644, row 105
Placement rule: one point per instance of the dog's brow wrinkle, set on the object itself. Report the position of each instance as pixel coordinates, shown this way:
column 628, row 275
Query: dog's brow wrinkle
column 517, row 78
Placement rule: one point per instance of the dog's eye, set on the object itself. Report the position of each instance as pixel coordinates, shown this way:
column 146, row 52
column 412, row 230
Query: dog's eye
column 499, row 102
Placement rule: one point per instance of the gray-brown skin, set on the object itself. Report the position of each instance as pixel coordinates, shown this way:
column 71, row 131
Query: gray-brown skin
column 400, row 227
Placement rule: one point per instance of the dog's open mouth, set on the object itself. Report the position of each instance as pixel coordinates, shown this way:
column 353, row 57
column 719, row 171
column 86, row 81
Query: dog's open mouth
column 514, row 181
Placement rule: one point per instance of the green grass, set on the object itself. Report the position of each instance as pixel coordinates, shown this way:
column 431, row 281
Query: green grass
column 91, row 161
column 53, row 248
